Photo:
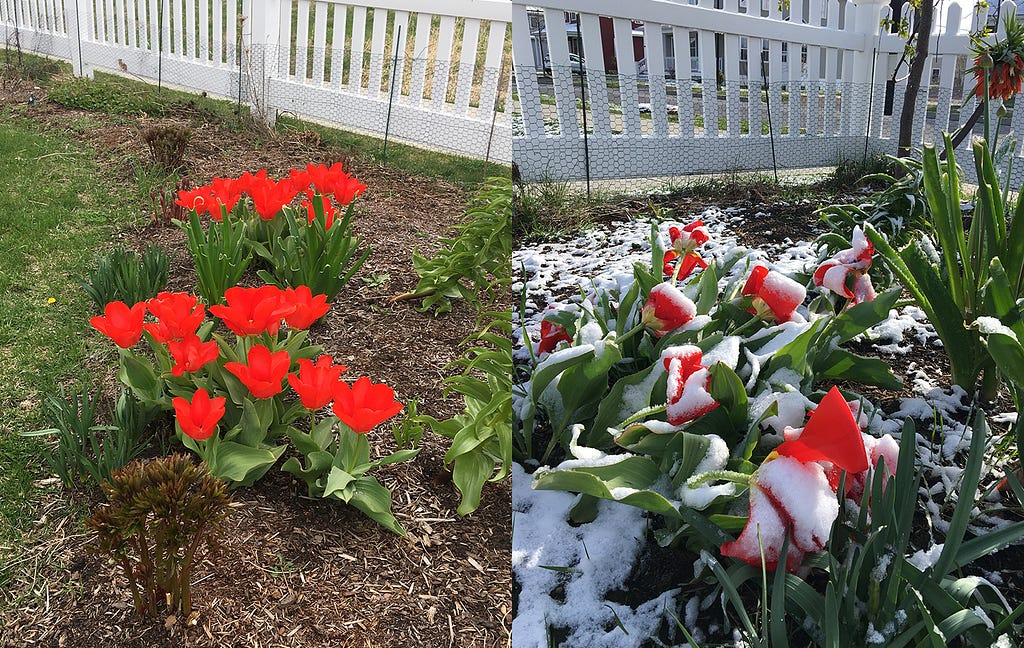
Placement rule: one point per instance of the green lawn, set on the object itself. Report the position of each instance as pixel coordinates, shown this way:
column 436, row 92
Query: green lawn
column 56, row 211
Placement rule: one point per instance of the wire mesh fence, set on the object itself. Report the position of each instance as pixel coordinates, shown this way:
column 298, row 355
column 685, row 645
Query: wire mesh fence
column 583, row 124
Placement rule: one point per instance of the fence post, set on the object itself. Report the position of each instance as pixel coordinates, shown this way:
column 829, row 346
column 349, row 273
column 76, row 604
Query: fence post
column 867, row 21
column 265, row 20
column 73, row 22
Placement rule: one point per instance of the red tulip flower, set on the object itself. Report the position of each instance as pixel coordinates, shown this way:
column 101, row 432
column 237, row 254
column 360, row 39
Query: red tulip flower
column 846, row 273
column 200, row 200
column 178, row 316
column 688, row 238
column 264, row 372
column 686, row 265
column 687, row 395
column 199, row 418
column 667, row 308
column 268, row 196
column 251, row 311
column 364, row 405
column 315, row 382
column 776, row 296
column 120, row 323
column 329, row 210
column 307, row 307
column 550, row 335
column 346, row 188
column 794, row 490
column 191, row 354
column 226, row 192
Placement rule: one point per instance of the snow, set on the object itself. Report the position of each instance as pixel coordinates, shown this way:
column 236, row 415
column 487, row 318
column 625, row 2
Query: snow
column 603, row 553
column 803, row 491
column 727, row 352
column 925, row 558
column 716, row 458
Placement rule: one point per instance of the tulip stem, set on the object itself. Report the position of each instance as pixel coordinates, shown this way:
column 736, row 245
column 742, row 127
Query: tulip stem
column 744, row 327
column 631, row 332
column 719, row 475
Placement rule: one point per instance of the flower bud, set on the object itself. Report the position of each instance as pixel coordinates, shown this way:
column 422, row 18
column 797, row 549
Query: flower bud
column 984, row 61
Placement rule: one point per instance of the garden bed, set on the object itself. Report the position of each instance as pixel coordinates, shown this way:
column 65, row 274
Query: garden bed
column 607, row 582
column 289, row 570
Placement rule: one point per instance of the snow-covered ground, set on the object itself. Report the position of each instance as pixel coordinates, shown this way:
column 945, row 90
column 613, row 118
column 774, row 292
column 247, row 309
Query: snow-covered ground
column 566, row 572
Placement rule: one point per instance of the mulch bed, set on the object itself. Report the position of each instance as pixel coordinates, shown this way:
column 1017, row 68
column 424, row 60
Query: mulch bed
column 290, row 571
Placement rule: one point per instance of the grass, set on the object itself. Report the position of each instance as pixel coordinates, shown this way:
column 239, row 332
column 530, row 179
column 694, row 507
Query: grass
column 411, row 159
column 550, row 210
column 56, row 212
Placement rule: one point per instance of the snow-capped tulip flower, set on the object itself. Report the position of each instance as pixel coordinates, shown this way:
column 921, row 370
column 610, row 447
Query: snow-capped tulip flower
column 550, row 335
column 846, row 273
column 776, row 296
column 687, row 395
column 794, row 491
column 121, row 323
column 684, row 241
column 667, row 309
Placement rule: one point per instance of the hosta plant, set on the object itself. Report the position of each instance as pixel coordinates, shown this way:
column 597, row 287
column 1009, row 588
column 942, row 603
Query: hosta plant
column 157, row 518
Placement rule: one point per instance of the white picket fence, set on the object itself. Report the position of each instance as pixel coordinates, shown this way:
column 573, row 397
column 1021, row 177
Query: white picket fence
column 448, row 90
column 826, row 65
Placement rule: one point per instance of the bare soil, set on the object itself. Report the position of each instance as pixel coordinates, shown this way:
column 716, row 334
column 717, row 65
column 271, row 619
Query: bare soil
column 290, row 571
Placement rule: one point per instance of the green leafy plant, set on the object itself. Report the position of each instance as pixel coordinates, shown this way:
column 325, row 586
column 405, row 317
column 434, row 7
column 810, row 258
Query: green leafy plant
column 86, row 449
column 476, row 263
column 221, row 255
column 954, row 285
column 167, row 144
column 158, row 515
column 337, row 464
column 312, row 253
column 481, row 435
column 121, row 275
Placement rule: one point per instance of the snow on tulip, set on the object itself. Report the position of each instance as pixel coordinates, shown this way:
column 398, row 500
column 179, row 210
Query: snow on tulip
column 666, row 309
column 685, row 241
column 846, row 273
column 687, row 395
column 550, row 335
column 775, row 296
column 794, row 490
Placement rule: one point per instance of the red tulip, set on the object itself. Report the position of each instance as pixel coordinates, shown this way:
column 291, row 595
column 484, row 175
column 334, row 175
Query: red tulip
column 328, row 180
column 308, row 308
column 690, row 237
column 315, row 382
column 191, row 354
column 831, row 434
column 227, row 192
column 687, row 396
column 686, row 265
column 268, row 196
column 199, row 418
column 329, row 209
column 178, row 316
column 264, row 373
column 199, row 200
column 121, row 324
column 251, row 311
column 850, row 264
column 364, row 405
column 794, row 490
column 550, row 335
column 346, row 189
column 775, row 295
column 667, row 308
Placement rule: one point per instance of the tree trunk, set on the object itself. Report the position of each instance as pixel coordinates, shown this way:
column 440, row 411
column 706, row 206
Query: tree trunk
column 923, row 30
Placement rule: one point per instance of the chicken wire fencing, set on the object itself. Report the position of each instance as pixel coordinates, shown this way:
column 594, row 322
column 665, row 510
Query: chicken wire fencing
column 593, row 125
